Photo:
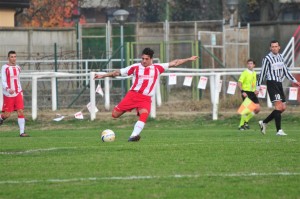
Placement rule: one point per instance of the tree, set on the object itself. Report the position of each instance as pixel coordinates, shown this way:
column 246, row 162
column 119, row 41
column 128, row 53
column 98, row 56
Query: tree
column 266, row 10
column 51, row 13
column 179, row 10
column 193, row 10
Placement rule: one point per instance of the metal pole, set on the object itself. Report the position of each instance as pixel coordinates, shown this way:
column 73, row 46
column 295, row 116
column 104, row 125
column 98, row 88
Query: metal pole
column 231, row 20
column 55, row 70
column 54, row 92
column 122, row 56
column 107, row 93
column 92, row 96
column 34, row 98
column 77, row 49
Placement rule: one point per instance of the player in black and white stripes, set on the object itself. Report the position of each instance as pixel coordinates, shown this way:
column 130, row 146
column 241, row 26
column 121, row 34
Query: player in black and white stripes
column 274, row 71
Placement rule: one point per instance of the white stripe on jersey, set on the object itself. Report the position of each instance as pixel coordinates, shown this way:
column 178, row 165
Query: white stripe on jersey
column 151, row 81
column 144, row 78
column 274, row 68
column 11, row 80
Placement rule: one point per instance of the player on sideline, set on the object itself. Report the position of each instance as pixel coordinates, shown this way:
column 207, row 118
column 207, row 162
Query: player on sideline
column 247, row 85
column 12, row 92
column 274, row 70
column 145, row 76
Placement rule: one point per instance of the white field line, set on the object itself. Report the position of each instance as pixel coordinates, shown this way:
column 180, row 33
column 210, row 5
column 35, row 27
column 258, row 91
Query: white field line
column 155, row 145
column 34, row 150
column 146, row 177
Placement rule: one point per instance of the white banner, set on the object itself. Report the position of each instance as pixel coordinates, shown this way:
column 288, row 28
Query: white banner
column 202, row 83
column 231, row 87
column 99, row 90
column 89, row 108
column 293, row 94
column 78, row 115
column 188, row 81
column 59, row 118
column 262, row 91
column 172, row 79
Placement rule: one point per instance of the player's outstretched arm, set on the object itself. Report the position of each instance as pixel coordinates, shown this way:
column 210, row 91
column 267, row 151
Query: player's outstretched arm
column 178, row 62
column 110, row 74
column 298, row 83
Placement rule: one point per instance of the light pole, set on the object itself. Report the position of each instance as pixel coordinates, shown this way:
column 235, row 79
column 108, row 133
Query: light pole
column 232, row 5
column 121, row 16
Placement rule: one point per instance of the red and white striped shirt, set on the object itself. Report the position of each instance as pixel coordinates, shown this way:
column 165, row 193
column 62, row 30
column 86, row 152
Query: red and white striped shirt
column 11, row 80
column 144, row 78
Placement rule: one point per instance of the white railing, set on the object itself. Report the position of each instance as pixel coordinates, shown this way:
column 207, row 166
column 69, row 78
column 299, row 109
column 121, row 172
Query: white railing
column 289, row 53
column 213, row 74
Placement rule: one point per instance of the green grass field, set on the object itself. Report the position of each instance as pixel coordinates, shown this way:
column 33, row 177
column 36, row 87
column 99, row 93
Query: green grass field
column 186, row 158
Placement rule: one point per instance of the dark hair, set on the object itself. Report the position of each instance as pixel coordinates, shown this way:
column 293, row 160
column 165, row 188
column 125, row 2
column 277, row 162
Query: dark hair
column 251, row 60
column 11, row 52
column 274, row 41
column 148, row 51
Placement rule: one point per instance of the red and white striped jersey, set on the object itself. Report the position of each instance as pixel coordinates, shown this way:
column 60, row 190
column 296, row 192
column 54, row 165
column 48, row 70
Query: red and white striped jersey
column 10, row 77
column 144, row 78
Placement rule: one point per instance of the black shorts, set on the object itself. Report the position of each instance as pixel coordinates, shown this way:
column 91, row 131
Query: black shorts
column 275, row 91
column 252, row 96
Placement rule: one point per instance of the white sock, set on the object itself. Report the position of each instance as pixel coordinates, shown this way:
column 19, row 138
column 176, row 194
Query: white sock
column 138, row 127
column 21, row 122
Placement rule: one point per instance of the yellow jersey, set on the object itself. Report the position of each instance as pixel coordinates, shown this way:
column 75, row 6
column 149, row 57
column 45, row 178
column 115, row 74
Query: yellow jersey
column 248, row 80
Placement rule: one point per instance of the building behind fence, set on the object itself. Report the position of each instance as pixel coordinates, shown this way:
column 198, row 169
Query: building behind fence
column 99, row 46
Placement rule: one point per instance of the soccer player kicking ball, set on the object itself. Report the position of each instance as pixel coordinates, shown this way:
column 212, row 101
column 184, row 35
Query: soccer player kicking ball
column 12, row 92
column 145, row 76
column 247, row 85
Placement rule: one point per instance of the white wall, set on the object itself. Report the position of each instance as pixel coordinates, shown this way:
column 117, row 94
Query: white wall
column 29, row 42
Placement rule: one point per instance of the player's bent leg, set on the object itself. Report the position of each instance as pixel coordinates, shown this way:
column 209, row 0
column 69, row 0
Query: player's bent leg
column 4, row 116
column 117, row 113
column 257, row 109
column 1, row 120
column 280, row 106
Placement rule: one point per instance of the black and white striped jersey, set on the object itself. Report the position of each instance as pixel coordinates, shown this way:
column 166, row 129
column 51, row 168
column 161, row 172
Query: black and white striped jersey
column 274, row 68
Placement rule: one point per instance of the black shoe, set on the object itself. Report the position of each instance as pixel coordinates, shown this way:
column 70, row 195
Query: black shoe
column 24, row 135
column 134, row 138
column 242, row 128
column 246, row 126
column 1, row 121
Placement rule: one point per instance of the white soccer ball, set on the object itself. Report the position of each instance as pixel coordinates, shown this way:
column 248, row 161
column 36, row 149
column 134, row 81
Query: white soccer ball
column 108, row 136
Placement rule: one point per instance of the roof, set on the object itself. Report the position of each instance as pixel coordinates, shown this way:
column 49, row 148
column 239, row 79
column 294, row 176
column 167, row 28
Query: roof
column 14, row 4
column 100, row 4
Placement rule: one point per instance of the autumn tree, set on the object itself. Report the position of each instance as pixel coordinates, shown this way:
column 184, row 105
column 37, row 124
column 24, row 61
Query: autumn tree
column 266, row 10
column 51, row 13
column 179, row 10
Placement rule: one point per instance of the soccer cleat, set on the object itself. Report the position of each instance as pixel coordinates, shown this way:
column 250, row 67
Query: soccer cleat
column 1, row 121
column 24, row 135
column 134, row 138
column 246, row 126
column 281, row 133
column 242, row 128
column 263, row 127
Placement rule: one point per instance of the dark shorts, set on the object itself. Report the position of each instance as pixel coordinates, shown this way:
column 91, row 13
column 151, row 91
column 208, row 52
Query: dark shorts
column 275, row 91
column 252, row 96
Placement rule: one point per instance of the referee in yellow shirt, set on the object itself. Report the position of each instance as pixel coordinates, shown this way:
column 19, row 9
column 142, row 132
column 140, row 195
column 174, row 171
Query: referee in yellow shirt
column 247, row 85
